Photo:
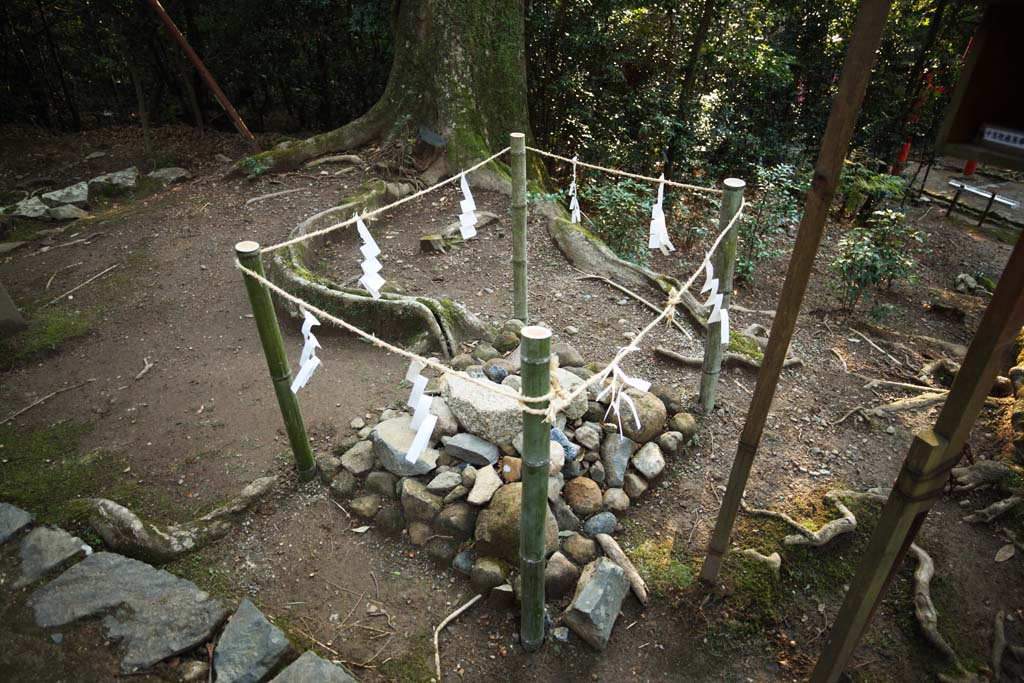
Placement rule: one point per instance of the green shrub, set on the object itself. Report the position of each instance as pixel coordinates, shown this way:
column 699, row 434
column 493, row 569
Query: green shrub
column 876, row 255
column 862, row 190
column 771, row 208
column 621, row 214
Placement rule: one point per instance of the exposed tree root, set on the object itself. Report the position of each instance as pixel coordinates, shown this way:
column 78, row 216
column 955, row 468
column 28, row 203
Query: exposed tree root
column 774, row 561
column 924, row 609
column 982, row 474
column 728, row 358
column 994, row 511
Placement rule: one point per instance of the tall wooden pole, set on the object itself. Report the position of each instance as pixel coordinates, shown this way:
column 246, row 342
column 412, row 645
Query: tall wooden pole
column 860, row 57
column 933, row 453
column 277, row 360
column 725, row 267
column 520, row 289
column 534, row 510
column 204, row 73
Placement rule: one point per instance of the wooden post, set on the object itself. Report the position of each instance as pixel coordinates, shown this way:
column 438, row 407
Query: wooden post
column 952, row 202
column 988, row 207
column 533, row 514
column 204, row 73
column 860, row 57
column 277, row 360
column 926, row 469
column 520, row 289
column 725, row 265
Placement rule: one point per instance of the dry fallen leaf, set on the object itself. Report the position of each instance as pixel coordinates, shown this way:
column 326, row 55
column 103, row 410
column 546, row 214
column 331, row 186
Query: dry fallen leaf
column 1005, row 553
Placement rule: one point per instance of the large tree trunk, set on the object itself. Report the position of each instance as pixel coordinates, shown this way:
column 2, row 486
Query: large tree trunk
column 458, row 70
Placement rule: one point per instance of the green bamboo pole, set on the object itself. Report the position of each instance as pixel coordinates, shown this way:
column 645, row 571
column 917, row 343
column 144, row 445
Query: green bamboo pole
column 725, row 266
column 520, row 291
column 933, row 453
column 277, row 361
column 533, row 514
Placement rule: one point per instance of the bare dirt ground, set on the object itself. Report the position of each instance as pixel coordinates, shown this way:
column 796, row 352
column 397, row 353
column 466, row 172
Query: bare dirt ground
column 203, row 422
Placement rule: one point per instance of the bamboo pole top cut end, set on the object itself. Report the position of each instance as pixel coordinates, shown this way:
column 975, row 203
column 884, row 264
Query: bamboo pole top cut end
column 517, row 136
column 734, row 184
column 247, row 247
column 535, row 332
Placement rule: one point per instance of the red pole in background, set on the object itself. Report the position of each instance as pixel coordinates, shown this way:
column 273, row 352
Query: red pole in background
column 897, row 168
column 204, row 73
column 970, row 167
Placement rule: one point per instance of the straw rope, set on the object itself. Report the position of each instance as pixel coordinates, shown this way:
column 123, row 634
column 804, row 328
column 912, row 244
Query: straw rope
column 374, row 212
column 559, row 398
column 627, row 174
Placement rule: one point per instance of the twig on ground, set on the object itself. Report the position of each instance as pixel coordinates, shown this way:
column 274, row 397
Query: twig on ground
column 998, row 645
column 75, row 289
column 842, row 360
column 628, row 292
column 437, row 631
column 43, row 400
column 56, row 272
column 260, row 198
column 376, row 586
column 875, row 346
column 146, row 367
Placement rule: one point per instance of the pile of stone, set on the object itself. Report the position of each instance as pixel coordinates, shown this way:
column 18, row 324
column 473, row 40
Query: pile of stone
column 70, row 202
column 152, row 614
column 460, row 501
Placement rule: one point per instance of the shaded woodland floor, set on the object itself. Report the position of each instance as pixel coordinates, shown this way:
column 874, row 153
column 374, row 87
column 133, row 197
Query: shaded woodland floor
column 203, row 422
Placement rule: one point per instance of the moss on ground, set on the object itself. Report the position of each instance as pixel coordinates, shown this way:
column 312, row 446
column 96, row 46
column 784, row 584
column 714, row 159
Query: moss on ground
column 745, row 346
column 204, row 569
column 41, row 471
column 414, row 666
column 665, row 574
column 48, row 330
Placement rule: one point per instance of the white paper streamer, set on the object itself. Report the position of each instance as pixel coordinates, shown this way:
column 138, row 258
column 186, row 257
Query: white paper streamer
column 419, row 442
column 467, row 219
column 423, row 420
column 371, row 279
column 620, row 381
column 659, row 230
column 574, row 202
column 715, row 300
column 422, row 410
column 308, row 362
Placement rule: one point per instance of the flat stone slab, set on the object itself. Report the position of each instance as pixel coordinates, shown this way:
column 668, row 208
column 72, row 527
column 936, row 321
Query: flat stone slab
column 77, row 195
column 249, row 648
column 493, row 415
column 596, row 603
column 312, row 669
column 170, row 175
column 118, row 182
column 472, row 449
column 154, row 614
column 12, row 520
column 391, row 441
column 45, row 549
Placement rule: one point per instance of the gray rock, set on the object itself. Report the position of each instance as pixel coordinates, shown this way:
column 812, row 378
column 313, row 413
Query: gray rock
column 468, row 476
column 579, row 549
column 457, row 493
column 497, row 369
column 456, row 520
column 685, row 424
column 391, row 442
column 555, row 485
column 366, row 506
column 559, row 437
column 572, row 469
column 194, row 671
column 616, row 501
column 76, row 195
column 30, row 207
column 672, row 443
column 45, row 549
column 486, row 483
column 419, row 505
column 560, row 576
column 117, row 183
column 560, row 634
column 513, row 325
column 497, row 526
column 634, row 485
column 311, row 669
column 360, row 458
column 442, row 550
column 485, row 352
column 615, row 454
column 472, row 449
column 343, row 486
column 488, row 573
column 444, row 482
column 597, row 472
column 382, row 483
column 327, row 465
column 390, row 520
column 12, row 520
column 568, row 356
column 154, row 615
column 649, row 461
column 491, row 416
column 169, row 176
column 595, row 605
column 595, row 411
column 651, row 413
column 672, row 398
column 564, row 516
column 446, row 424
column 514, row 382
column 569, row 382
column 588, row 437
column 463, row 562
column 66, row 213
column 462, row 361
column 601, row 523
column 506, row 341
column 249, row 647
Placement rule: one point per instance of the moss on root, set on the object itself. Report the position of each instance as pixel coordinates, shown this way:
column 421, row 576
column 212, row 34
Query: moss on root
column 744, row 345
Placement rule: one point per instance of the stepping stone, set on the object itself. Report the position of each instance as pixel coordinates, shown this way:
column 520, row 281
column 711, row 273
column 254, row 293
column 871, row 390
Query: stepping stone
column 249, row 648
column 154, row 614
column 45, row 549
column 312, row 669
column 12, row 520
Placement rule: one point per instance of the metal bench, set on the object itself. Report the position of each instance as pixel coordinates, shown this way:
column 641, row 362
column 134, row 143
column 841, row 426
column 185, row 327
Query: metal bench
column 992, row 198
